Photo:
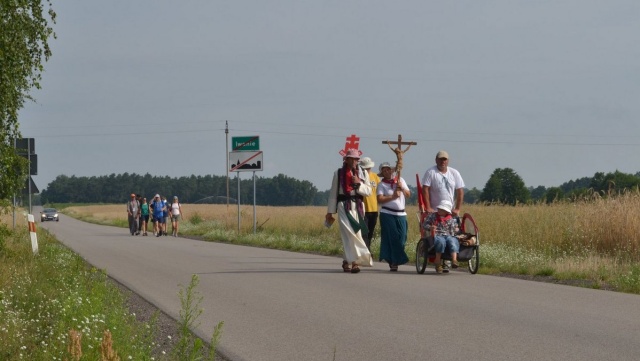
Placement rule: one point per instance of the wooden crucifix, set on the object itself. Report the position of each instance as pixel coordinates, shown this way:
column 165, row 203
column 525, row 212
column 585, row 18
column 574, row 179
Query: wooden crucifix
column 399, row 152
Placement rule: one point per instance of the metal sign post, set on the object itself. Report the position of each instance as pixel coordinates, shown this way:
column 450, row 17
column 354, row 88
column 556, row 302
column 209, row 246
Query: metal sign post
column 246, row 156
column 26, row 147
column 254, row 202
column 238, row 175
column 226, row 132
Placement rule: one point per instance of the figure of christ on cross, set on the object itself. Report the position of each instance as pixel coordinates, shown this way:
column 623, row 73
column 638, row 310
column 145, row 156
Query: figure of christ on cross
column 399, row 152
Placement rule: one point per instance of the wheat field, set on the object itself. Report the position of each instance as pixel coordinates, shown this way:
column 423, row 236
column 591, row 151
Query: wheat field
column 595, row 239
column 608, row 226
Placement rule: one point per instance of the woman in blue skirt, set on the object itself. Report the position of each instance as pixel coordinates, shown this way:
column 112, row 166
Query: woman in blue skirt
column 392, row 193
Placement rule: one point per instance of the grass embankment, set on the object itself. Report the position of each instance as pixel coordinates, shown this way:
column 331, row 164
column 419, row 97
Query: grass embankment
column 595, row 241
column 54, row 307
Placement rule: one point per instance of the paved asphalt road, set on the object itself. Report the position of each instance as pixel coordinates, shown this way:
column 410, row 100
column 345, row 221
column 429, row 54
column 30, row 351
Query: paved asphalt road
column 291, row 306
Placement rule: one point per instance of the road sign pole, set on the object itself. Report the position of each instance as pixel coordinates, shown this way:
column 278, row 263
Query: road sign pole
column 238, row 173
column 14, row 211
column 245, row 156
column 226, row 131
column 15, row 145
column 254, row 202
column 29, row 146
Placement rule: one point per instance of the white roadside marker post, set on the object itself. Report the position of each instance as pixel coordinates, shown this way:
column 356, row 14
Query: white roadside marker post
column 32, row 232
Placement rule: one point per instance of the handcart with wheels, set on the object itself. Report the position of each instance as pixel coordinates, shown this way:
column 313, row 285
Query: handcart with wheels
column 469, row 238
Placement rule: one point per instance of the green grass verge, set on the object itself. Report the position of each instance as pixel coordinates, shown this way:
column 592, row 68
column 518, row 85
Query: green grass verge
column 53, row 306
column 44, row 297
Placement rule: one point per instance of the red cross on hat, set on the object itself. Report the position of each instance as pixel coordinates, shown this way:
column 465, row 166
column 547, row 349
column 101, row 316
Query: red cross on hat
column 351, row 144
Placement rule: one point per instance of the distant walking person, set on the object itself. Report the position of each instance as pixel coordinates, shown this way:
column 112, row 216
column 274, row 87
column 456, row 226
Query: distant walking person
column 350, row 184
column 165, row 214
column 158, row 215
column 133, row 213
column 144, row 215
column 151, row 217
column 370, row 201
column 139, row 199
column 176, row 213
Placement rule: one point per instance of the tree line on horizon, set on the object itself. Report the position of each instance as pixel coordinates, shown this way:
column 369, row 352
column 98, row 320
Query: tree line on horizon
column 280, row 190
column 504, row 186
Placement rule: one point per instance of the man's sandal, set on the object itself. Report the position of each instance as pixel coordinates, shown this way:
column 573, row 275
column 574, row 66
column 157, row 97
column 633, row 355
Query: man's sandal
column 345, row 266
column 355, row 268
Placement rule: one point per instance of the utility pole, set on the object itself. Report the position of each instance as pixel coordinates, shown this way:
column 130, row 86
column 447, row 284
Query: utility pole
column 226, row 132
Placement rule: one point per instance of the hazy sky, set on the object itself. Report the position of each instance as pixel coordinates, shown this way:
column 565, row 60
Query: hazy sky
column 550, row 89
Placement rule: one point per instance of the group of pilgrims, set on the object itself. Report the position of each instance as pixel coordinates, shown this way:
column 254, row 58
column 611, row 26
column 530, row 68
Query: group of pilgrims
column 361, row 198
column 159, row 210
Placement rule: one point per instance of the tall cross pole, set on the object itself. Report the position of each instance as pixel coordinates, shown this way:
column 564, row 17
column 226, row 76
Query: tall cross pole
column 399, row 152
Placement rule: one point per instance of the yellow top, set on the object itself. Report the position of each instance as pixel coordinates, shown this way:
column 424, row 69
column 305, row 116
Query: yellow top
column 371, row 202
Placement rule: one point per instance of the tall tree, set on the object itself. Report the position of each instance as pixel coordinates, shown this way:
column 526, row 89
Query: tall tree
column 554, row 194
column 492, row 191
column 538, row 193
column 24, row 35
column 505, row 186
column 472, row 196
column 580, row 183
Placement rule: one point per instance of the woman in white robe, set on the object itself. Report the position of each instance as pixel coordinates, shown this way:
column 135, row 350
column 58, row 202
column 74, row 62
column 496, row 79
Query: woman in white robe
column 350, row 183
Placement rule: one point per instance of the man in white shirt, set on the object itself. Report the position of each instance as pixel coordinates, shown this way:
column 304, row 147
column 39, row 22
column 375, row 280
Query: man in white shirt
column 442, row 182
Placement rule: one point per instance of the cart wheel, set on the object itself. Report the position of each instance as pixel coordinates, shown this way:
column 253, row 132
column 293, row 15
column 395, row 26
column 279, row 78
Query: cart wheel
column 421, row 257
column 474, row 262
